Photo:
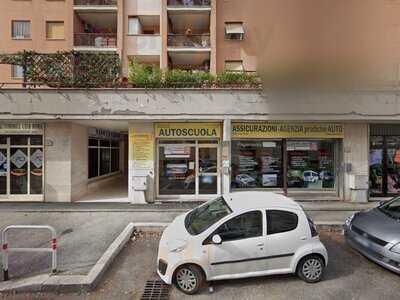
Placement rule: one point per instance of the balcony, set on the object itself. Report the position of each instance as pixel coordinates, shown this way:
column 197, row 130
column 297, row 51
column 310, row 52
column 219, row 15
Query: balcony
column 95, row 40
column 95, row 2
column 193, row 42
column 188, row 4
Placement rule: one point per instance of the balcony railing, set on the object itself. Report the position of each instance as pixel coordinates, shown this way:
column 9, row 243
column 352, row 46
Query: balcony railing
column 97, row 40
column 95, row 2
column 189, row 3
column 189, row 41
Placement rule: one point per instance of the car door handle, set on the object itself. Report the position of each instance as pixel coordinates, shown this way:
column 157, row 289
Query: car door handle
column 303, row 238
column 260, row 244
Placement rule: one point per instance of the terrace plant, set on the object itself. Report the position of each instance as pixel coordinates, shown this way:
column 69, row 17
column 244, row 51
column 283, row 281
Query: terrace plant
column 145, row 76
column 182, row 78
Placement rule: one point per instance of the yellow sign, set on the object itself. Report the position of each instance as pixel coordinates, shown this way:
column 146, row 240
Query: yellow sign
column 143, row 150
column 188, row 130
column 287, row 130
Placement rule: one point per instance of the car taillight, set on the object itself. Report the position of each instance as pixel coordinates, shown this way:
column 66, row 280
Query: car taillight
column 313, row 229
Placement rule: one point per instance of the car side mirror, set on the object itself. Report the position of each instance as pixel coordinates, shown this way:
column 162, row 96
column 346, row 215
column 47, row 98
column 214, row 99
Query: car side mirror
column 382, row 202
column 216, row 239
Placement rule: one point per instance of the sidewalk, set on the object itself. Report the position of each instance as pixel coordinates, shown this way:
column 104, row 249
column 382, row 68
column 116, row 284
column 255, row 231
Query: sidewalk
column 324, row 213
column 171, row 206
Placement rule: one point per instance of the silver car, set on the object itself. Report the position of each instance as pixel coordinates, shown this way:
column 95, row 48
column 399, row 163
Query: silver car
column 375, row 233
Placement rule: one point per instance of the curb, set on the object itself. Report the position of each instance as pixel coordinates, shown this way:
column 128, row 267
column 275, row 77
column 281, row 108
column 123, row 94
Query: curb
column 69, row 283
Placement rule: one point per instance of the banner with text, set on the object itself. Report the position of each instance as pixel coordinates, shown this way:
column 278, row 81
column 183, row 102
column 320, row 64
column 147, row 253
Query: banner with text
column 188, row 130
column 259, row 130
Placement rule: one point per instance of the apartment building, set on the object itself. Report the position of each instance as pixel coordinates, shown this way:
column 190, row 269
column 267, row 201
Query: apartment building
column 146, row 145
column 184, row 34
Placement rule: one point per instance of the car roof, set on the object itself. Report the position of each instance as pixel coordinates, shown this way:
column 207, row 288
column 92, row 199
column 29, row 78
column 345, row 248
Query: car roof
column 239, row 201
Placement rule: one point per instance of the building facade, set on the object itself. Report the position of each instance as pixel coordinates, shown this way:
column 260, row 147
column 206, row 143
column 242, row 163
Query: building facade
column 151, row 145
column 64, row 145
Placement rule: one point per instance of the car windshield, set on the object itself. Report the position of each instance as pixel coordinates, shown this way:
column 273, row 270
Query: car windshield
column 391, row 208
column 202, row 217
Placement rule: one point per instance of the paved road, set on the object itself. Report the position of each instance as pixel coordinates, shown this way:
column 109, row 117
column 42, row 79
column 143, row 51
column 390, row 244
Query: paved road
column 349, row 276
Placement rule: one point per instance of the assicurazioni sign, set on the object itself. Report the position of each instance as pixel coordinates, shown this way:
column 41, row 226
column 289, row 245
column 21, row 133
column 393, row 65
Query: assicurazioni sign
column 286, row 130
column 188, row 130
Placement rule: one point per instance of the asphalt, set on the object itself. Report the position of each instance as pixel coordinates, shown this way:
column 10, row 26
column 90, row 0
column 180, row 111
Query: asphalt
column 86, row 230
column 349, row 276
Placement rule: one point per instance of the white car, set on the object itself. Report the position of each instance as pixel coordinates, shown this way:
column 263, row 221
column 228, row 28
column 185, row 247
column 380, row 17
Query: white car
column 310, row 176
column 244, row 234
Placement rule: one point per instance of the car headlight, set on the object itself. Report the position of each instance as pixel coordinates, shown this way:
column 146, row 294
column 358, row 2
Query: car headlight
column 396, row 248
column 349, row 220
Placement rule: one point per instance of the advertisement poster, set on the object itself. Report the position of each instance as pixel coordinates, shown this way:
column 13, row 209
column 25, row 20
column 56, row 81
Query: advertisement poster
column 143, row 150
column 270, row 180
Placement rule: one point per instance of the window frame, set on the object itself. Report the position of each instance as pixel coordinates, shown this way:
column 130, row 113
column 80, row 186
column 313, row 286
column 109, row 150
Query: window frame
column 54, row 22
column 284, row 211
column 98, row 147
column 13, row 73
column 14, row 37
column 230, row 36
column 234, row 61
column 208, row 240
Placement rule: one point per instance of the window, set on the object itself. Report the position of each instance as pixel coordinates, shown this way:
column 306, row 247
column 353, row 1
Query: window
column 103, row 157
column 55, row 30
column 244, row 226
column 281, row 221
column 256, row 164
column 311, row 164
column 21, row 30
column 17, row 72
column 202, row 217
column 134, row 26
column 234, row 31
column 234, row 65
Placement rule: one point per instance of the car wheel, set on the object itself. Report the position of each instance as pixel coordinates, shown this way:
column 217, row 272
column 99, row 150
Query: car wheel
column 189, row 279
column 311, row 268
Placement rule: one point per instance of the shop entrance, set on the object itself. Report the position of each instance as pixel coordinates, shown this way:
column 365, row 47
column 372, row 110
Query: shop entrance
column 384, row 165
column 21, row 167
column 189, row 168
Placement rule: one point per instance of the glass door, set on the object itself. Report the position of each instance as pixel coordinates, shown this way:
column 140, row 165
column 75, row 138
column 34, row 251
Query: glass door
column 208, row 175
column 177, row 169
column 4, row 175
column 384, row 165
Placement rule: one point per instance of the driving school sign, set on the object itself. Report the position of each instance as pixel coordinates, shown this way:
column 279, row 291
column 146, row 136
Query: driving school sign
column 188, row 130
column 287, row 130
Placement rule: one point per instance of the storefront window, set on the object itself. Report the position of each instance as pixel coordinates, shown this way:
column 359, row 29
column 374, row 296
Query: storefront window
column 384, row 165
column 257, row 164
column 177, row 169
column 311, row 164
column 103, row 157
column 376, row 164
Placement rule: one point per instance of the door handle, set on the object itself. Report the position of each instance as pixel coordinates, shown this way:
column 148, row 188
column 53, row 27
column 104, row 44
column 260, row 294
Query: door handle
column 303, row 238
column 260, row 245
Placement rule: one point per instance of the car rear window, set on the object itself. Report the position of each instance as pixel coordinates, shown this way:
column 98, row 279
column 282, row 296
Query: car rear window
column 279, row 221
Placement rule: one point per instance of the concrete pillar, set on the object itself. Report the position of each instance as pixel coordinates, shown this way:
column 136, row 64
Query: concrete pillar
column 141, row 168
column 66, row 162
column 226, row 157
column 356, row 157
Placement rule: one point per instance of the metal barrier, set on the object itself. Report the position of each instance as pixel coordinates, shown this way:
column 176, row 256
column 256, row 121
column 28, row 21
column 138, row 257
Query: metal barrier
column 6, row 249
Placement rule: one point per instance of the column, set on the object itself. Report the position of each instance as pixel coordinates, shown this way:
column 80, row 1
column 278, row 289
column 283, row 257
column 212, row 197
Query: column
column 226, row 157
column 141, row 163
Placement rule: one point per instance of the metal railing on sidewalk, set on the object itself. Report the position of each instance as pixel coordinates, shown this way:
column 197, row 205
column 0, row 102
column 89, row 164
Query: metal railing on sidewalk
column 6, row 249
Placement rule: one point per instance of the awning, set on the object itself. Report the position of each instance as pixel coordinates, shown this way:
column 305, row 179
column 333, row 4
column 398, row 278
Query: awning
column 232, row 28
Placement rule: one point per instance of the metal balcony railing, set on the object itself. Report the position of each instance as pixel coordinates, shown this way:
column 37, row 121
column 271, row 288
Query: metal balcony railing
column 189, row 3
column 95, row 2
column 97, row 40
column 189, row 41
